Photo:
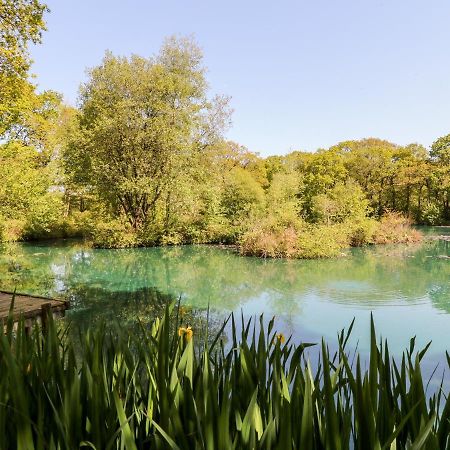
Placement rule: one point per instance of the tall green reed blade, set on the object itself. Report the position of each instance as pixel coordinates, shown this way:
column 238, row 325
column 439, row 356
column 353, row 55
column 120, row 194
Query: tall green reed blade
column 109, row 389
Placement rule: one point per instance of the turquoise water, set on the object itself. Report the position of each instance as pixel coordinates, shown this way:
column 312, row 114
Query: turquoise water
column 406, row 287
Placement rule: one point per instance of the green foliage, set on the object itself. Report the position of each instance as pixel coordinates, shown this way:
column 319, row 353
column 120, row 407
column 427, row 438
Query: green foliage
column 430, row 214
column 145, row 150
column 45, row 216
column 321, row 171
column 361, row 231
column 343, row 202
column 337, row 217
column 440, row 150
column 283, row 197
column 242, row 195
column 140, row 123
column 114, row 234
column 275, row 234
column 28, row 205
column 166, row 387
column 322, row 241
column 21, row 23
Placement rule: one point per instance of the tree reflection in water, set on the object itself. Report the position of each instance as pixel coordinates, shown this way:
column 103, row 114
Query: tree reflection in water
column 134, row 310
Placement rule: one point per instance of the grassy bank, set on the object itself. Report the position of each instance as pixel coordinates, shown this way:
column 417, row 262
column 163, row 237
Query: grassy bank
column 167, row 389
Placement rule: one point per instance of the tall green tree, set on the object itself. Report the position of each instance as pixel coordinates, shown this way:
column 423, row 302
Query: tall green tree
column 141, row 121
column 21, row 23
column 440, row 150
column 440, row 154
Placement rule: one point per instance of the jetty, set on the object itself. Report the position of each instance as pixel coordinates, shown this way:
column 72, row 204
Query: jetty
column 30, row 308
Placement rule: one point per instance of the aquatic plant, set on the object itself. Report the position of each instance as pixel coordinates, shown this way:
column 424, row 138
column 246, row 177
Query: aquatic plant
column 169, row 388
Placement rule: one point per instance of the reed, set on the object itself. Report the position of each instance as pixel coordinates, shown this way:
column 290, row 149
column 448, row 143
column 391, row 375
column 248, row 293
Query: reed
column 168, row 389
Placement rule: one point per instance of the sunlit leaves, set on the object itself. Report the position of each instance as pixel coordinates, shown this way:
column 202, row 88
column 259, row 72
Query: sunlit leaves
column 21, row 22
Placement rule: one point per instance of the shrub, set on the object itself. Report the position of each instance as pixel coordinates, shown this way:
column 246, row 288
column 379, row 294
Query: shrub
column 394, row 228
column 218, row 231
column 44, row 218
column 361, row 232
column 12, row 230
column 272, row 239
column 172, row 237
column 430, row 214
column 78, row 224
column 322, row 241
column 270, row 243
column 275, row 236
column 114, row 234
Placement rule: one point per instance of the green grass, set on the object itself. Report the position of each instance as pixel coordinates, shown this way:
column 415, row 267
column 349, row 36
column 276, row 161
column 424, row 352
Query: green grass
column 114, row 390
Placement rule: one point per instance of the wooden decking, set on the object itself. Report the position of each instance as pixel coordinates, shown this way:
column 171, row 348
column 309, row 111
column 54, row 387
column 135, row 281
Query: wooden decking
column 30, row 307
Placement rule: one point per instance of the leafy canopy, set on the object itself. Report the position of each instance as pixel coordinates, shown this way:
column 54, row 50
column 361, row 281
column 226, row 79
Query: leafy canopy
column 21, row 23
column 140, row 121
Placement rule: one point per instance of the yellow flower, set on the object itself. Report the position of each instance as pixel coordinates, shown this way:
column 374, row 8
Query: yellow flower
column 186, row 332
column 281, row 338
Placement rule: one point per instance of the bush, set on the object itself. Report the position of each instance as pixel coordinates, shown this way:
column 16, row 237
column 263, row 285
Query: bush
column 172, row 237
column 12, row 230
column 275, row 236
column 322, row 241
column 270, row 243
column 78, row 224
column 218, row 231
column 430, row 214
column 361, row 232
column 394, row 228
column 272, row 239
column 114, row 234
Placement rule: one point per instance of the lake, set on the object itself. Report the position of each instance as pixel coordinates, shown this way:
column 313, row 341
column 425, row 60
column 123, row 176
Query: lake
column 406, row 287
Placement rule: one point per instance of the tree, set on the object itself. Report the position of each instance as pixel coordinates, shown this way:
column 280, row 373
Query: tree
column 412, row 169
column 370, row 162
column 440, row 150
column 28, row 204
column 345, row 201
column 242, row 195
column 21, row 22
column 440, row 154
column 320, row 172
column 141, row 121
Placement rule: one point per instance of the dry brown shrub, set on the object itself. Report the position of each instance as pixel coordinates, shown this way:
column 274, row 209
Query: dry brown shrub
column 270, row 243
column 395, row 228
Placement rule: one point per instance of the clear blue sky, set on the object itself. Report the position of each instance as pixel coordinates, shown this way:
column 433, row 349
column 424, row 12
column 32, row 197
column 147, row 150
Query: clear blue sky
column 302, row 74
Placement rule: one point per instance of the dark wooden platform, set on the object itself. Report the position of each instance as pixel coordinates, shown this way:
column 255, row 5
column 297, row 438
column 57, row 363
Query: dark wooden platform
column 30, row 307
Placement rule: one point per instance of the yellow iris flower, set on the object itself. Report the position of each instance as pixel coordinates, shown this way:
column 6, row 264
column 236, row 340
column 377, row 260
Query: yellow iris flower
column 186, row 332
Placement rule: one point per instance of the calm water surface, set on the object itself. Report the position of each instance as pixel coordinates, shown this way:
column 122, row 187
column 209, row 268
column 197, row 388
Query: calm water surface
column 406, row 287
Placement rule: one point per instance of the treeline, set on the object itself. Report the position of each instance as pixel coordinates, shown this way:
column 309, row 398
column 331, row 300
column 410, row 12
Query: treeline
column 143, row 161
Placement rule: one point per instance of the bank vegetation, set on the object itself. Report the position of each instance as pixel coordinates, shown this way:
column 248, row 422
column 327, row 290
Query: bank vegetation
column 143, row 161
